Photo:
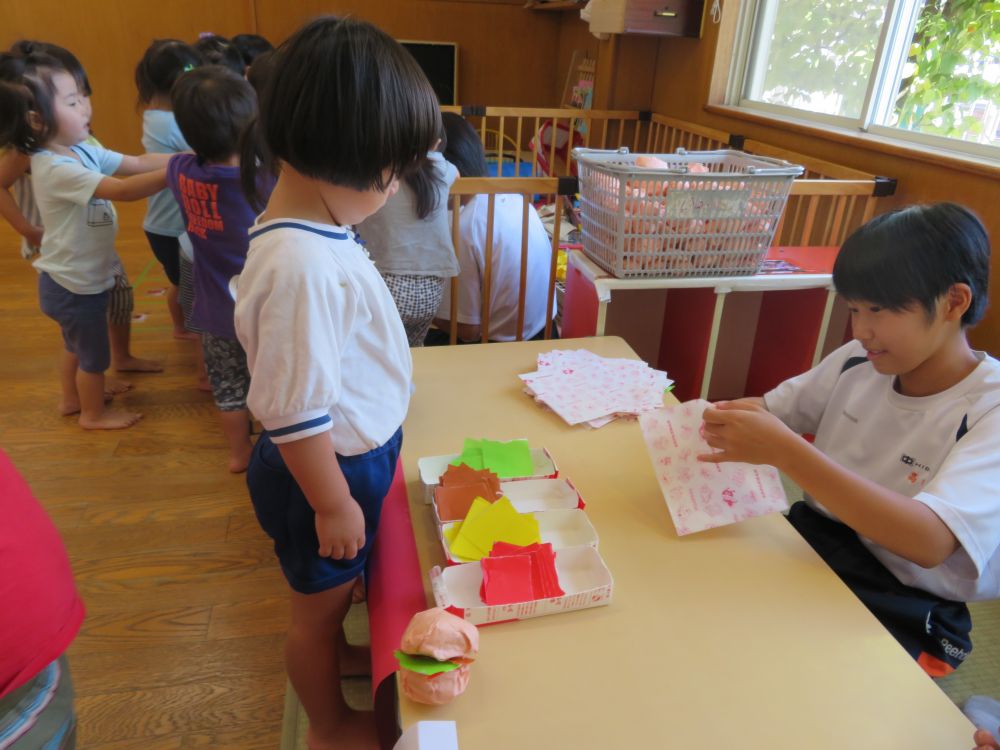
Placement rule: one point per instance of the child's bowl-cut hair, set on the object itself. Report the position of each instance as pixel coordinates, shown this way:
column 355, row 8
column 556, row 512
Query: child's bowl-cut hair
column 164, row 61
column 346, row 104
column 463, row 146
column 213, row 105
column 913, row 256
column 27, row 91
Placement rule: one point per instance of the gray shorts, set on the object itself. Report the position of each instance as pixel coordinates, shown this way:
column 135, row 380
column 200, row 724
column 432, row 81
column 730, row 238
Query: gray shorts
column 185, row 295
column 226, row 363
column 83, row 320
column 39, row 715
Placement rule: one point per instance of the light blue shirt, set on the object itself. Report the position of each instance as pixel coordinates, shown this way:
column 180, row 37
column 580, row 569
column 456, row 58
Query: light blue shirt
column 78, row 247
column 160, row 135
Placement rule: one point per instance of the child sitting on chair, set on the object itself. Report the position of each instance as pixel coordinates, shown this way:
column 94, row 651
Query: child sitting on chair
column 465, row 151
column 901, row 484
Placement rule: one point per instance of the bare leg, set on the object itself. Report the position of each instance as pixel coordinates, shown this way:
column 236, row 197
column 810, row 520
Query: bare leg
column 314, row 669
column 355, row 661
column 236, row 428
column 177, row 315
column 122, row 358
column 69, row 401
column 93, row 414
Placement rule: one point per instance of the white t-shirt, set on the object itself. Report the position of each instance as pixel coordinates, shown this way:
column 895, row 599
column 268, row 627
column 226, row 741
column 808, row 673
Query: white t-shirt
column 912, row 446
column 506, row 278
column 78, row 247
column 325, row 346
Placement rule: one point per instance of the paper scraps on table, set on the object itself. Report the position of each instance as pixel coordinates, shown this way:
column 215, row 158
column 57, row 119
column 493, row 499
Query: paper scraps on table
column 507, row 460
column 584, row 388
column 489, row 523
column 514, row 573
column 424, row 664
column 704, row 495
column 453, row 501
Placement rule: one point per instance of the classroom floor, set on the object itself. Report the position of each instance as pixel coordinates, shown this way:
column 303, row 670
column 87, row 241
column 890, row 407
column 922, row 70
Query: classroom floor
column 186, row 608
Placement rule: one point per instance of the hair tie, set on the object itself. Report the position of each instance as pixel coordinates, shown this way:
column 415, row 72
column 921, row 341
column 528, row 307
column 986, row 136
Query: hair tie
column 188, row 67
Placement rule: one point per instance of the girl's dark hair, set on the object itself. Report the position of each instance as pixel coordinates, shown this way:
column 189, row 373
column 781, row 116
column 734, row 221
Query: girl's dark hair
column 217, row 50
column 212, row 106
column 26, row 86
column 260, row 70
column 345, row 104
column 163, row 63
column 251, row 46
column 913, row 256
column 66, row 58
column 464, row 149
column 426, row 182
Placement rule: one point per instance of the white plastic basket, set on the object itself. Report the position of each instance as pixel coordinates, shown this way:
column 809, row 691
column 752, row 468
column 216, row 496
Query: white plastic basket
column 708, row 213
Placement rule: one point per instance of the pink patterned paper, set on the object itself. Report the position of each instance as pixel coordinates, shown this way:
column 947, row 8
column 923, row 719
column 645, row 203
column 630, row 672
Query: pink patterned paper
column 584, row 388
column 702, row 495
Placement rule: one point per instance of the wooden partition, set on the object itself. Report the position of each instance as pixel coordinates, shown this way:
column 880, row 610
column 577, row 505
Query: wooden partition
column 529, row 187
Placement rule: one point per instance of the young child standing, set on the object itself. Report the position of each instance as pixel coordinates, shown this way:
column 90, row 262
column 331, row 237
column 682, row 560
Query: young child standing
column 901, row 484
column 328, row 355
column 162, row 64
column 49, row 118
column 409, row 239
column 213, row 105
column 465, row 150
column 22, row 213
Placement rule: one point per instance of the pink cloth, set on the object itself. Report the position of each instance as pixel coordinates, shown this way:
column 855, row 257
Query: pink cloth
column 40, row 610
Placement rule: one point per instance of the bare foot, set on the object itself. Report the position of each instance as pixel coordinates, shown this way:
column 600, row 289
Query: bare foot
column 111, row 420
column 69, row 408
column 113, row 387
column 183, row 334
column 138, row 364
column 356, row 732
column 238, row 462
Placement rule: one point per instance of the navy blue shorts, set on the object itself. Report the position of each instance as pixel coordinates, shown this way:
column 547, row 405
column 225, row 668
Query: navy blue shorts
column 168, row 251
column 286, row 516
column 83, row 320
column 936, row 632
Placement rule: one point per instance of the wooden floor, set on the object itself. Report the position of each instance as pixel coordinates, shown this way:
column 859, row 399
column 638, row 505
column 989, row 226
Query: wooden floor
column 186, row 607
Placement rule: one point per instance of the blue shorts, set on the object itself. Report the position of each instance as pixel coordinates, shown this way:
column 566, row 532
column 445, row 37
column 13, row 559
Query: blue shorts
column 83, row 320
column 286, row 516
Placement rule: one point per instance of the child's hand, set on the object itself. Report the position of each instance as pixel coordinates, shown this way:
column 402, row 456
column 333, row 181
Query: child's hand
column 984, row 740
column 341, row 531
column 34, row 236
column 745, row 431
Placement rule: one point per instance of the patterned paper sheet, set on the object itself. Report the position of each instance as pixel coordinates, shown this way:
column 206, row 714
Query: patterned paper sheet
column 582, row 387
column 703, row 495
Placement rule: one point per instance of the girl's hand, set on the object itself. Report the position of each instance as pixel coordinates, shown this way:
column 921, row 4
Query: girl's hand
column 341, row 530
column 984, row 740
column 745, row 431
column 34, row 236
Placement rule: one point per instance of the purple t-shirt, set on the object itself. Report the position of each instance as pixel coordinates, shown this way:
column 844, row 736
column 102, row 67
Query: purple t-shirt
column 216, row 218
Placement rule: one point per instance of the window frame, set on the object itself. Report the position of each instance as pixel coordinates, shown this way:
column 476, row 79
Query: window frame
column 896, row 35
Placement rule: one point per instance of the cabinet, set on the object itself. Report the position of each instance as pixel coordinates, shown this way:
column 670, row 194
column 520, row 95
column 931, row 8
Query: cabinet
column 654, row 17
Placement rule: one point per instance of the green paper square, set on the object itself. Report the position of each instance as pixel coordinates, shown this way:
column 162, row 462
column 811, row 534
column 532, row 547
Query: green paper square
column 507, row 460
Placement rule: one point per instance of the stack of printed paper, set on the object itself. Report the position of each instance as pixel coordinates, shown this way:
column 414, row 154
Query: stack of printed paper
column 584, row 388
column 704, row 495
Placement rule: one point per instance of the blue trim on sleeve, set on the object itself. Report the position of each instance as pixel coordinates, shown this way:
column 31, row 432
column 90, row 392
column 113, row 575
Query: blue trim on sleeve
column 307, row 425
column 303, row 227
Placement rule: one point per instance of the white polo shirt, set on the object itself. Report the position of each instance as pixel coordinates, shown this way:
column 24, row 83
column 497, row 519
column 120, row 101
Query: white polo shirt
column 942, row 450
column 325, row 345
column 505, row 283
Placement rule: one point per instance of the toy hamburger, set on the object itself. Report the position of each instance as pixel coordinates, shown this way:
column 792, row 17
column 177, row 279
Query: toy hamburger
column 435, row 655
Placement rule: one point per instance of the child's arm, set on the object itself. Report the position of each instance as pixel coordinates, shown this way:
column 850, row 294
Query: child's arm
column 132, row 165
column 748, row 432
column 340, row 524
column 13, row 164
column 132, row 188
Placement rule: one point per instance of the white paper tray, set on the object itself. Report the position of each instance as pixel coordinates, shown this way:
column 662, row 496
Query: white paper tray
column 561, row 528
column 432, row 467
column 536, row 496
column 582, row 575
